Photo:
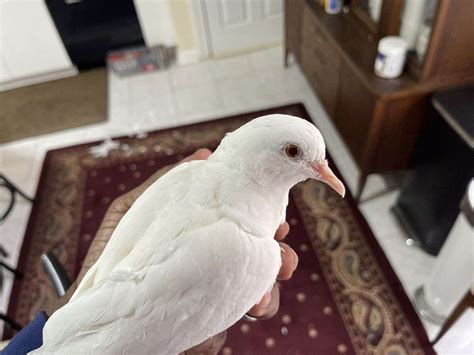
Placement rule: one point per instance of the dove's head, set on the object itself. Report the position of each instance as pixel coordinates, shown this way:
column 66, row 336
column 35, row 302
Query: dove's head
column 279, row 149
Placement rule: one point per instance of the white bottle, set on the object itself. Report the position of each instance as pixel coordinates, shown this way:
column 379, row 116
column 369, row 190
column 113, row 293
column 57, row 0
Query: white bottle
column 391, row 55
column 333, row 7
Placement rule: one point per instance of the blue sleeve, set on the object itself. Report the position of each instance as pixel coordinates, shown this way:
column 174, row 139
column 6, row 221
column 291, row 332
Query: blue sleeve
column 29, row 338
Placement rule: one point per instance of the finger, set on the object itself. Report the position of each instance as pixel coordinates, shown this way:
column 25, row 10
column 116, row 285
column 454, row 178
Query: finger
column 282, row 231
column 264, row 303
column 289, row 262
column 200, row 154
column 210, row 346
column 268, row 306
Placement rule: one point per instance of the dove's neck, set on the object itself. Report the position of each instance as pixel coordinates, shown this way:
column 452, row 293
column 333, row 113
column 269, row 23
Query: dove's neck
column 260, row 210
column 257, row 203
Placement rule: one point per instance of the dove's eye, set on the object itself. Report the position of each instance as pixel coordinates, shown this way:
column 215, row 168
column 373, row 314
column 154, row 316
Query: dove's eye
column 292, row 151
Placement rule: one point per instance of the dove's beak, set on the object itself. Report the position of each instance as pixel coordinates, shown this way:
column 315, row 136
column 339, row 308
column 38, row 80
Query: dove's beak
column 325, row 174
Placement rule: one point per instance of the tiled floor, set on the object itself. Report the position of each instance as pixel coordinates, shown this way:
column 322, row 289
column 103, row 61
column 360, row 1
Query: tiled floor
column 198, row 92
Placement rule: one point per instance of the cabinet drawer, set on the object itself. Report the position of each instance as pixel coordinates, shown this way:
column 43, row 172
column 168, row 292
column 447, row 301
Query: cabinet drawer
column 354, row 112
column 320, row 62
column 312, row 31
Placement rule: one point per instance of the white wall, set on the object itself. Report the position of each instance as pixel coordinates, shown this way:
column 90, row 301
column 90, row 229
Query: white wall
column 171, row 22
column 156, row 22
column 30, row 46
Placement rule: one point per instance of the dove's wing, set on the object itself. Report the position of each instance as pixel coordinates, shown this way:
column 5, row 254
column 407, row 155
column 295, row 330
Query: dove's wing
column 172, row 186
column 177, row 270
column 166, row 300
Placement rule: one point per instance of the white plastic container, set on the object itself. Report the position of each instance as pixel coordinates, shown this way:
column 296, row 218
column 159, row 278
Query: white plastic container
column 391, row 55
column 452, row 273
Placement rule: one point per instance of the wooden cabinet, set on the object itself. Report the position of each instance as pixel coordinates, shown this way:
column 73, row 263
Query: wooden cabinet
column 379, row 119
column 320, row 62
column 292, row 27
column 354, row 112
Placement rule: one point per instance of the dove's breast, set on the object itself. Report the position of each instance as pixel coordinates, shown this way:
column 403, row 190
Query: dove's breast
column 191, row 257
column 208, row 257
column 220, row 272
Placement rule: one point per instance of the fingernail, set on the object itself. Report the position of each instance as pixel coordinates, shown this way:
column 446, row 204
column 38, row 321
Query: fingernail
column 283, row 250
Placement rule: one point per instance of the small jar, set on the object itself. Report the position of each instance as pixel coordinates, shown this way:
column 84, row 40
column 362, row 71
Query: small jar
column 391, row 55
column 333, row 7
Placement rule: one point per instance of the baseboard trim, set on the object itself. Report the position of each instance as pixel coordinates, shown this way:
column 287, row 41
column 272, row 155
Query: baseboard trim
column 188, row 56
column 40, row 78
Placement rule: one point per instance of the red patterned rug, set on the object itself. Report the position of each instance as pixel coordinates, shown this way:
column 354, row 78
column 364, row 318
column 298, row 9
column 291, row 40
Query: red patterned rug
column 343, row 298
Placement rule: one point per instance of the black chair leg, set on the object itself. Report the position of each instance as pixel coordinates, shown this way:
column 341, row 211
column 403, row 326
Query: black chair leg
column 3, row 252
column 12, row 186
column 14, row 271
column 10, row 321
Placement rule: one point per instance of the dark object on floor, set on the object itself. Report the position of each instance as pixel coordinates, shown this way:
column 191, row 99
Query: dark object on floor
column 344, row 296
column 443, row 165
column 56, row 272
column 4, row 212
column 10, row 322
column 13, row 190
column 89, row 29
column 134, row 60
column 53, row 106
column 3, row 317
column 18, row 274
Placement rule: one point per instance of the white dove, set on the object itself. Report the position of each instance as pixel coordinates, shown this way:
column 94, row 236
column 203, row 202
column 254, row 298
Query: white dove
column 196, row 250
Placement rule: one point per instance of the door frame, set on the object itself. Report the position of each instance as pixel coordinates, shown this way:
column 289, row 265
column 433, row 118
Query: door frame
column 202, row 29
column 201, row 24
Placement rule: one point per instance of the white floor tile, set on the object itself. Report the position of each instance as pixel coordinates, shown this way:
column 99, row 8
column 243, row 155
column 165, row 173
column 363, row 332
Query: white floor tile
column 145, row 111
column 241, row 93
column 203, row 98
column 411, row 264
column 16, row 160
column 251, row 93
column 190, row 76
column 146, row 83
column 231, row 68
column 268, row 60
column 375, row 187
column 378, row 215
column 118, row 98
column 95, row 132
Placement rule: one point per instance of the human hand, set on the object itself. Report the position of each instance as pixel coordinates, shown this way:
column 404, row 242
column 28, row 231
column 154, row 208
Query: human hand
column 265, row 309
